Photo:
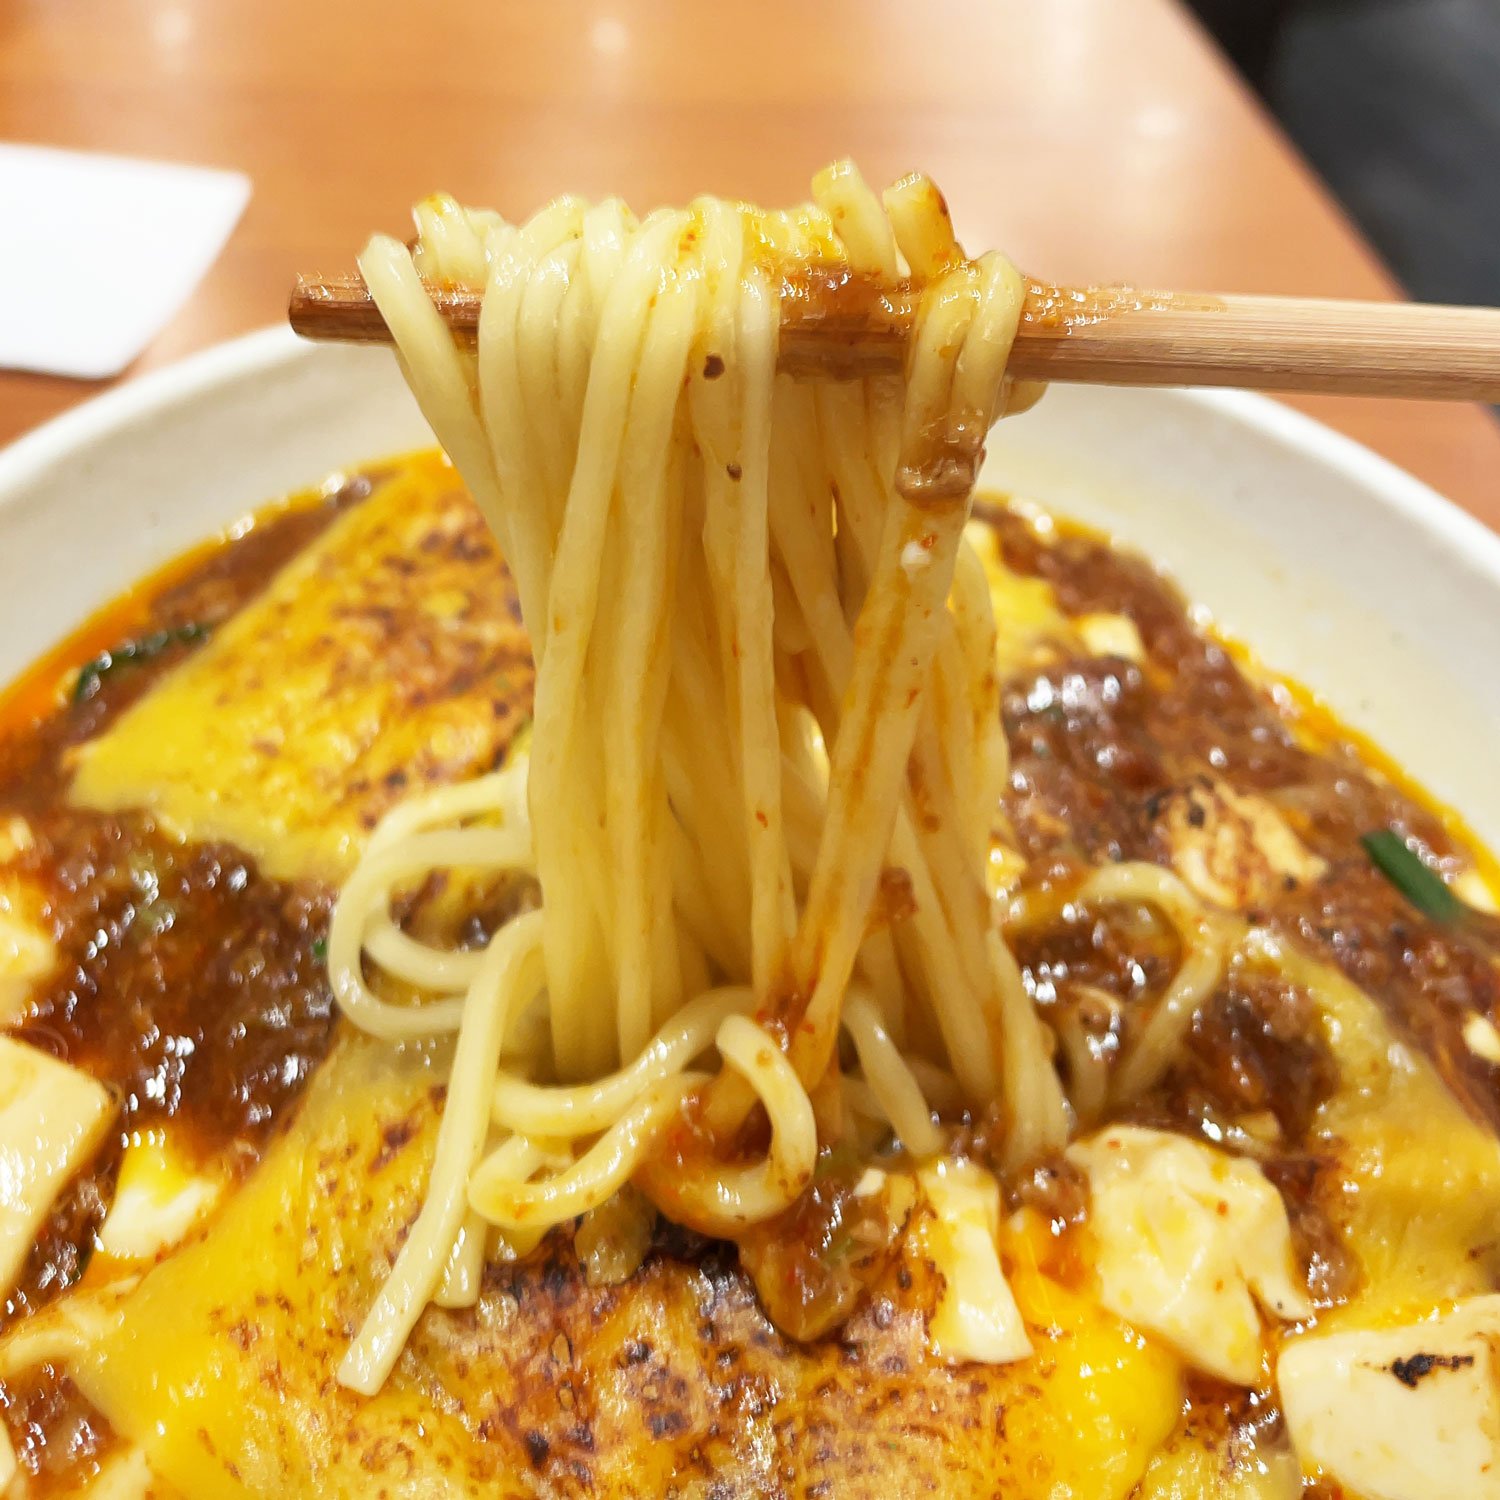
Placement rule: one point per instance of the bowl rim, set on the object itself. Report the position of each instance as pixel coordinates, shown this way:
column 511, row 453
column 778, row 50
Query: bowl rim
column 138, row 399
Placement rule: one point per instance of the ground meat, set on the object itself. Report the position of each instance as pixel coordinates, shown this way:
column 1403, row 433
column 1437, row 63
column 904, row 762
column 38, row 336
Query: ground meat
column 61, row 1253
column 1209, row 713
column 1192, row 713
column 1311, row 1186
column 1256, row 1047
column 194, row 986
column 1104, row 948
column 188, row 984
column 185, row 980
column 1083, row 764
column 1244, row 1426
column 813, row 1264
column 1429, row 978
column 230, row 576
column 54, row 1430
column 1055, row 1188
column 1096, row 746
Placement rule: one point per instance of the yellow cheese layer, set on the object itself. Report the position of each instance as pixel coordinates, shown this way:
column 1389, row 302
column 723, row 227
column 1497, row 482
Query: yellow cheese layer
column 221, row 1363
column 1420, row 1179
column 385, row 657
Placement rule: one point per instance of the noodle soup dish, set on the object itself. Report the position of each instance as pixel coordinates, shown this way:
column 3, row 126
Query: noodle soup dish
column 703, row 939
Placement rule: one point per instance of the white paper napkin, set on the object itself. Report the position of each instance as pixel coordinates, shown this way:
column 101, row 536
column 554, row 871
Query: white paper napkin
column 98, row 252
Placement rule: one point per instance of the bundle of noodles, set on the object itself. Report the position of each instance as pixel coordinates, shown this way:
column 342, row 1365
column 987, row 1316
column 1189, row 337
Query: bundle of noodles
column 767, row 756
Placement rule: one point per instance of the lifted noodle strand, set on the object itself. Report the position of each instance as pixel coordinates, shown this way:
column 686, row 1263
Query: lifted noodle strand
column 764, row 678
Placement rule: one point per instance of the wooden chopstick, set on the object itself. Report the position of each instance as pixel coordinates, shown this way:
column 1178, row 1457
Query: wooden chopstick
column 846, row 325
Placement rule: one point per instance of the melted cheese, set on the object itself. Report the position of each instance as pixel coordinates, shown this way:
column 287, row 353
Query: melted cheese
column 1197, row 1465
column 15, row 837
column 1108, row 1397
column 240, row 1399
column 239, row 1402
column 1400, row 1413
column 27, row 952
column 52, row 1118
column 1107, row 634
column 124, row 1476
column 1033, row 628
column 1421, row 1179
column 232, row 1404
column 1481, row 1037
column 1471, row 886
column 1188, row 1240
column 336, row 692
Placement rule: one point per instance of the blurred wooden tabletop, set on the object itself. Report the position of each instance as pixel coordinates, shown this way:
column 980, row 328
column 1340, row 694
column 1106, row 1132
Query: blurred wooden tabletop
column 1094, row 140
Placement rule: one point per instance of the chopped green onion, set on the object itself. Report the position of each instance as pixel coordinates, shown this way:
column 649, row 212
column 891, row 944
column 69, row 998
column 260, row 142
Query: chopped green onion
column 1424, row 888
column 837, row 1160
column 839, row 1247
column 320, row 949
column 131, row 653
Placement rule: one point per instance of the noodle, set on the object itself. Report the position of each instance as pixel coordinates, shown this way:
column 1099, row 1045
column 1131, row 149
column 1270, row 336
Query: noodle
column 1205, row 942
column 528, row 1108
column 765, row 677
column 509, row 971
column 892, row 1084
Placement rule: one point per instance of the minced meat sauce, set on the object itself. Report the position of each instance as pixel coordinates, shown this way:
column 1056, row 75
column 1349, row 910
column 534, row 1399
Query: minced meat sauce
column 194, row 987
column 1093, row 769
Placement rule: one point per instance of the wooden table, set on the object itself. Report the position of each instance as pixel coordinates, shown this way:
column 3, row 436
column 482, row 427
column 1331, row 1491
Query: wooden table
column 1093, row 139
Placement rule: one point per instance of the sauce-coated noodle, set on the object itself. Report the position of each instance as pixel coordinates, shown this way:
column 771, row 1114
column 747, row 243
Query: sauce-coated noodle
column 765, row 675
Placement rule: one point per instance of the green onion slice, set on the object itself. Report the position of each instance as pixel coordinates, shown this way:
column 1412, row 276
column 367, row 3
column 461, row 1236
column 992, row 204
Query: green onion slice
column 131, row 653
column 1424, row 888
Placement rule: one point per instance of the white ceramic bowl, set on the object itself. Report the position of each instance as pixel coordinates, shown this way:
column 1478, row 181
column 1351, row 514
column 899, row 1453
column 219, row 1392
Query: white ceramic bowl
column 1338, row 568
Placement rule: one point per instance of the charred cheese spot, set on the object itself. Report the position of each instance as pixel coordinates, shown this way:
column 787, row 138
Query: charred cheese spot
column 1401, row 1413
column 673, row 1376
